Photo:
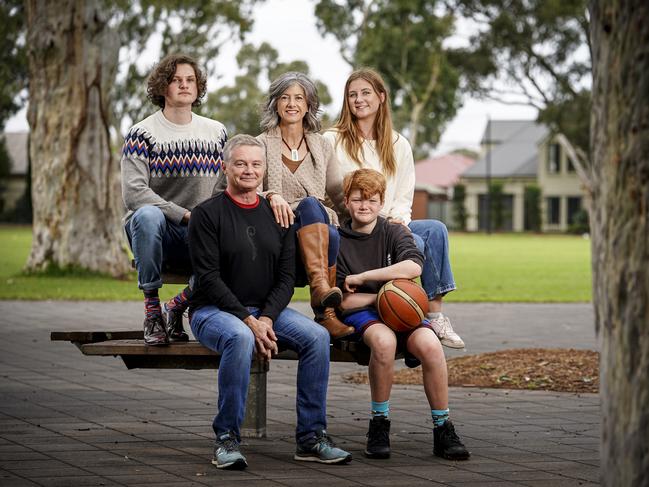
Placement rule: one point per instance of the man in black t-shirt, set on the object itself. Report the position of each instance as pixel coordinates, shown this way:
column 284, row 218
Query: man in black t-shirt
column 372, row 252
column 244, row 265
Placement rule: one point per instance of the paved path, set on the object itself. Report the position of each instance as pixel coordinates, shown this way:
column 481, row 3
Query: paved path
column 66, row 419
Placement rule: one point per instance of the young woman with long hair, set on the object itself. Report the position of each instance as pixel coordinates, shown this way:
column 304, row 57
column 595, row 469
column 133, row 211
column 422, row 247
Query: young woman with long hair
column 363, row 137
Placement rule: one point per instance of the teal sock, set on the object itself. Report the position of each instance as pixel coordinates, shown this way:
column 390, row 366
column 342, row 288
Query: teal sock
column 380, row 408
column 440, row 416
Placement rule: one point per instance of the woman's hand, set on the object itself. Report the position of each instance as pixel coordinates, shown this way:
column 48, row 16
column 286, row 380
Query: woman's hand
column 284, row 216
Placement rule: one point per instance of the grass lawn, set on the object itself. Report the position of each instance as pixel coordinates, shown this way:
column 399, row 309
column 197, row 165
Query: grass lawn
column 506, row 268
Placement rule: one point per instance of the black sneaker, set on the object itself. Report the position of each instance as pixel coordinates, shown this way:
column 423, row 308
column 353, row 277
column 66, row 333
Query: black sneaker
column 154, row 331
column 378, row 438
column 447, row 444
column 175, row 330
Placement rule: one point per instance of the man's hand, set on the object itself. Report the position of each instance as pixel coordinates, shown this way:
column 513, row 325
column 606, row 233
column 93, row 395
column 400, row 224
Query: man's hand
column 265, row 339
column 283, row 213
column 352, row 281
column 186, row 217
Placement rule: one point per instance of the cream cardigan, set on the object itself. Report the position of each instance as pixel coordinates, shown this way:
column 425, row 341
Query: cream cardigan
column 400, row 187
column 318, row 176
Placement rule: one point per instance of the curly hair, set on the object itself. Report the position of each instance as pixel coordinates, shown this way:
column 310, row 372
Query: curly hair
column 163, row 73
column 269, row 116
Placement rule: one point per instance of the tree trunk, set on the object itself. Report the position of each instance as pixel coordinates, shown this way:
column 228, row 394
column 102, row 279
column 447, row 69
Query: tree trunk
column 620, row 233
column 75, row 177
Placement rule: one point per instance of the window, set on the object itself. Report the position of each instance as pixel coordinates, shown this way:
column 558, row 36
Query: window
column 553, row 205
column 554, row 158
column 570, row 167
column 574, row 207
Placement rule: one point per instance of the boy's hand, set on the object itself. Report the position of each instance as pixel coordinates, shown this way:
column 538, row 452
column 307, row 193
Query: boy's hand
column 352, row 281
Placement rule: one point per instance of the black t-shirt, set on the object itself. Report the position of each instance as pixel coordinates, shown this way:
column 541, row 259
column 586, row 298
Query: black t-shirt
column 241, row 257
column 388, row 244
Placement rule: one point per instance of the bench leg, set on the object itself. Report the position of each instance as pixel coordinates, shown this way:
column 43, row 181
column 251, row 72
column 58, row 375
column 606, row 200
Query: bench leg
column 254, row 422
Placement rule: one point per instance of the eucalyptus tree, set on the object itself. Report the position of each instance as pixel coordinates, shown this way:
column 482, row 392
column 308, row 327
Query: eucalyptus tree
column 73, row 51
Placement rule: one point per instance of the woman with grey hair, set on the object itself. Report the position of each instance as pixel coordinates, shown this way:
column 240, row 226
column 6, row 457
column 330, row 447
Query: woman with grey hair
column 302, row 174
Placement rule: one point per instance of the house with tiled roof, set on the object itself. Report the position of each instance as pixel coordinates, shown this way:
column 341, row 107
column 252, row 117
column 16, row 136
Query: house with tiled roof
column 434, row 181
column 518, row 154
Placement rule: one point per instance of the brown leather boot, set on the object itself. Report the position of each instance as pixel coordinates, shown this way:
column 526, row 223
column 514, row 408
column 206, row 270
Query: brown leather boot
column 336, row 328
column 313, row 241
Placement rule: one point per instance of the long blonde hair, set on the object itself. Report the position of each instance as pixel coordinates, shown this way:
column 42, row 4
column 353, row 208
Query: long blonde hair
column 351, row 137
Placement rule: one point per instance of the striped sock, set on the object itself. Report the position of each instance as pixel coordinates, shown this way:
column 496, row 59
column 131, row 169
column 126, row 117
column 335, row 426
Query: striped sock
column 179, row 301
column 380, row 409
column 440, row 416
column 152, row 304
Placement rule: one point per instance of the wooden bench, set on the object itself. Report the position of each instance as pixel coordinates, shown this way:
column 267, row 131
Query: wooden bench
column 130, row 347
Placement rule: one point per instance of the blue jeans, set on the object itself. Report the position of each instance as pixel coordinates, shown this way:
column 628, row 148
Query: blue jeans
column 231, row 337
column 155, row 240
column 310, row 211
column 431, row 237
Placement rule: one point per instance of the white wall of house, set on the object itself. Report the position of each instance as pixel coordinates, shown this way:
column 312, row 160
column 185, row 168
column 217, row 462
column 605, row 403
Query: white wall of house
column 559, row 185
column 514, row 187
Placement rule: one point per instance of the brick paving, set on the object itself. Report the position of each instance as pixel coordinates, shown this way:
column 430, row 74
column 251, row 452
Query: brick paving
column 71, row 420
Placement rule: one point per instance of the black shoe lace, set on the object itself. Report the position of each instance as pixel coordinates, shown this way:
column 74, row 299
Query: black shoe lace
column 154, row 324
column 229, row 444
column 449, row 436
column 378, row 433
column 324, row 441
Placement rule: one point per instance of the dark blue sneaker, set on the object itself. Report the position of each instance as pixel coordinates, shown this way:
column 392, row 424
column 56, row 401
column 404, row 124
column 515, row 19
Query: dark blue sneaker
column 174, row 318
column 321, row 449
column 227, row 454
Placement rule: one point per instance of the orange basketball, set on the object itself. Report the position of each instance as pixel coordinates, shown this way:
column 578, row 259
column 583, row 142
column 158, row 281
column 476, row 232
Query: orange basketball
column 402, row 304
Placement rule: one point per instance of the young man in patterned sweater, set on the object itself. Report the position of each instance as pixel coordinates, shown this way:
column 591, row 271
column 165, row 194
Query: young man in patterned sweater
column 170, row 162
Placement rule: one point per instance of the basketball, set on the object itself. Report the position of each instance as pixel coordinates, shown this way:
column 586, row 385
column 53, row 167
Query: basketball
column 402, row 304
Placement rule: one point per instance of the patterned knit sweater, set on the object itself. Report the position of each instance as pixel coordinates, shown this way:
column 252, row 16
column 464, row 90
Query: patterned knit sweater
column 171, row 166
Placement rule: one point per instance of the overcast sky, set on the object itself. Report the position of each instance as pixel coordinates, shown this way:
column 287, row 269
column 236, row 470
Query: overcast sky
column 289, row 26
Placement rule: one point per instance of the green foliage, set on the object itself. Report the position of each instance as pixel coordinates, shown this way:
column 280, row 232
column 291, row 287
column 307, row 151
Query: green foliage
column 404, row 41
column 541, row 49
column 238, row 106
column 13, row 58
column 5, row 162
column 199, row 28
column 580, row 224
column 470, row 153
column 497, row 205
column 532, row 204
column 501, row 268
column 459, row 207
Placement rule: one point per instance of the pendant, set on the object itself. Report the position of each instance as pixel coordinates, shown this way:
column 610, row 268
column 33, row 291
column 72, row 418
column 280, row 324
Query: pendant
column 294, row 155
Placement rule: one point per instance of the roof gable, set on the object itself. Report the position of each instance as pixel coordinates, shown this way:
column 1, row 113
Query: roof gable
column 515, row 156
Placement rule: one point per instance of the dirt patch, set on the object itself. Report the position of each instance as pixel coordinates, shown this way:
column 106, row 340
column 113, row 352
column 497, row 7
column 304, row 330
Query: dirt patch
column 544, row 369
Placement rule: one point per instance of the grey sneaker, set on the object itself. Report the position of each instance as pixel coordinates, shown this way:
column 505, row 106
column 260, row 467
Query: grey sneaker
column 444, row 331
column 227, row 454
column 321, row 449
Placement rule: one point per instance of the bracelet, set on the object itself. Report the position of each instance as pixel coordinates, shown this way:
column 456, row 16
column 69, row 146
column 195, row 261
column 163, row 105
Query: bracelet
column 270, row 195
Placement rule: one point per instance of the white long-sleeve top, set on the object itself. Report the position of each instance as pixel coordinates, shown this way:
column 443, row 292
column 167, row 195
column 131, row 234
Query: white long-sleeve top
column 400, row 188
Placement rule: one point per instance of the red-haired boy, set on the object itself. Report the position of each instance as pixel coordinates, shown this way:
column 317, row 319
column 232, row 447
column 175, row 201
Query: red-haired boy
column 372, row 252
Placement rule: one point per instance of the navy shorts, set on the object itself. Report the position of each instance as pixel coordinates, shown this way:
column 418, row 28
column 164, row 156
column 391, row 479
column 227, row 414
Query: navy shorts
column 363, row 319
